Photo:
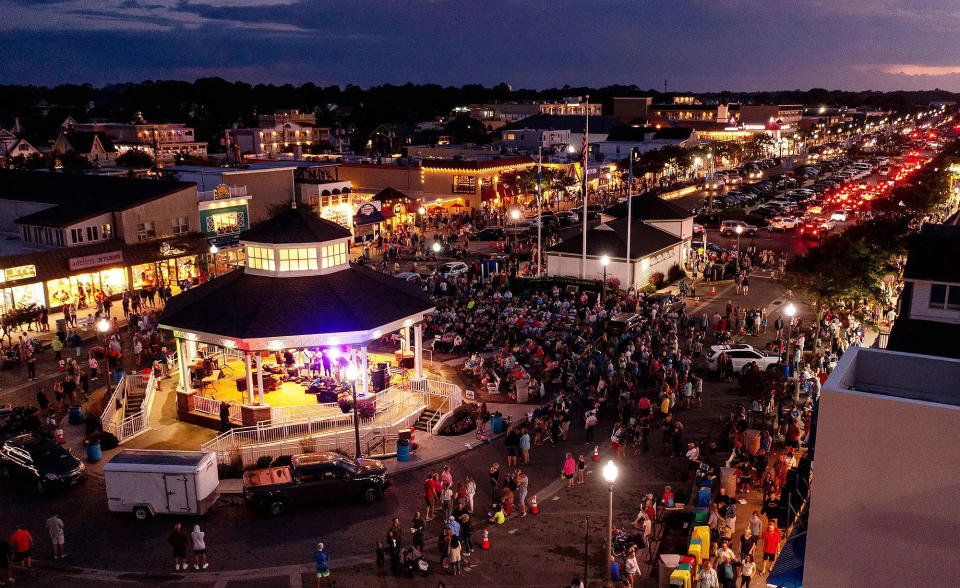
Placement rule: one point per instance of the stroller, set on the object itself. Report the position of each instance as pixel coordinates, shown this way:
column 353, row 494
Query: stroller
column 413, row 563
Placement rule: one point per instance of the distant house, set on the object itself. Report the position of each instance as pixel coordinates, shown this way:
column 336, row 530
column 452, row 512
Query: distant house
column 387, row 139
column 96, row 147
column 13, row 146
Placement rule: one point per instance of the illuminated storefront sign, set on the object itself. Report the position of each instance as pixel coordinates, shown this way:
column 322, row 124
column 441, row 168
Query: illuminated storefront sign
column 77, row 263
column 21, row 272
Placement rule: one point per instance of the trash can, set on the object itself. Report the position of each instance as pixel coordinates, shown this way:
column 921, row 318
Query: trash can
column 496, row 424
column 403, row 450
column 75, row 415
column 93, row 452
column 117, row 376
column 61, row 325
column 728, row 480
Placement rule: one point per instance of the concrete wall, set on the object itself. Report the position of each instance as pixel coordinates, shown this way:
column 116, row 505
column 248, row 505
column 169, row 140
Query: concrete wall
column 569, row 265
column 886, row 487
column 267, row 187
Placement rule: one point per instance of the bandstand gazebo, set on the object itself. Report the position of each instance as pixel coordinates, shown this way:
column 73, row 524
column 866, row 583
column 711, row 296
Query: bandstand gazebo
column 298, row 295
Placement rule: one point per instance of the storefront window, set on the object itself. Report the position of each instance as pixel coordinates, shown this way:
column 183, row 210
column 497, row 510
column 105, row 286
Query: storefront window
column 21, row 296
column 226, row 222
column 298, row 259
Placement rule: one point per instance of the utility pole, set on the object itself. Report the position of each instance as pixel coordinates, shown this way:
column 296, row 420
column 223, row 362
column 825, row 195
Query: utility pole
column 586, row 151
column 629, row 223
column 539, row 207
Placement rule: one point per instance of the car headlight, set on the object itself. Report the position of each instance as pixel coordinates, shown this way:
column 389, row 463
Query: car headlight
column 51, row 476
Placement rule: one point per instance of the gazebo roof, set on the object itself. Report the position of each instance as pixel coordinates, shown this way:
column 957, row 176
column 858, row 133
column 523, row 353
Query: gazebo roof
column 296, row 225
column 241, row 306
column 389, row 194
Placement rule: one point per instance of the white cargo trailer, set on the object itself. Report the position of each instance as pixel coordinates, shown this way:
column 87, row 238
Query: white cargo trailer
column 147, row 482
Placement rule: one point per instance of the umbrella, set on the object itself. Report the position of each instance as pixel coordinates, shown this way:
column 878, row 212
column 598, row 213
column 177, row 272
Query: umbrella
column 435, row 209
column 456, row 205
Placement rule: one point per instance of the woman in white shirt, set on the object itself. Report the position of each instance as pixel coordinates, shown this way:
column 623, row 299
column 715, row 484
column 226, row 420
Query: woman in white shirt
column 631, row 567
column 199, row 548
column 708, row 576
column 748, row 568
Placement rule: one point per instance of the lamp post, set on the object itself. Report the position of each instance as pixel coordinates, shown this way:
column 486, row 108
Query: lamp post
column 738, row 230
column 423, row 221
column 352, row 374
column 610, row 475
column 103, row 326
column 605, row 261
column 216, row 266
column 515, row 217
column 790, row 311
column 436, row 248
column 710, row 179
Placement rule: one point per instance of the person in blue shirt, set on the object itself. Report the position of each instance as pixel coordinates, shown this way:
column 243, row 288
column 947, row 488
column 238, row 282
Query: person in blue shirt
column 321, row 559
column 614, row 569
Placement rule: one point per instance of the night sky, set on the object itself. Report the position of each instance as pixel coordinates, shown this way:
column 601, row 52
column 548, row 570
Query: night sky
column 738, row 45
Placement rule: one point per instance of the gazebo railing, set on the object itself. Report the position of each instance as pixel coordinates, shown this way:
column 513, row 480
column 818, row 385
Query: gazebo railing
column 395, row 407
column 116, row 419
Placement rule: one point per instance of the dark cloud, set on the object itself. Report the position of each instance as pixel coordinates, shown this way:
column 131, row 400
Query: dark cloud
column 737, row 45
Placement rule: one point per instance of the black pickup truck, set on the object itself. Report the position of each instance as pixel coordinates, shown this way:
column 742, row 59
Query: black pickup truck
column 312, row 478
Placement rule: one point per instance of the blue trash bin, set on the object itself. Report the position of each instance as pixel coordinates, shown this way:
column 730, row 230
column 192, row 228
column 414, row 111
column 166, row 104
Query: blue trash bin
column 496, row 424
column 403, row 451
column 75, row 415
column 93, row 452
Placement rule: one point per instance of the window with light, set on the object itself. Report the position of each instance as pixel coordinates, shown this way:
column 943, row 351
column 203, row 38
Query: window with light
column 334, row 255
column 298, row 259
column 260, row 258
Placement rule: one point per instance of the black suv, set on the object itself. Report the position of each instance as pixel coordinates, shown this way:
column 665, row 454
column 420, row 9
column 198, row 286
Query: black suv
column 41, row 462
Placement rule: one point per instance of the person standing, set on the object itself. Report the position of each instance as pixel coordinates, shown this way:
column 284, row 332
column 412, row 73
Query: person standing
column 466, row 539
column 6, row 577
column 569, row 469
column 57, row 345
column 525, row 445
column 31, row 365
column 430, row 497
column 523, row 485
column 178, row 541
column 21, row 542
column 471, row 492
column 771, row 544
column 225, row 416
column 321, row 562
column 631, row 568
column 708, row 577
column 748, row 568
column 54, row 527
column 199, row 548
column 590, row 423
column 381, row 558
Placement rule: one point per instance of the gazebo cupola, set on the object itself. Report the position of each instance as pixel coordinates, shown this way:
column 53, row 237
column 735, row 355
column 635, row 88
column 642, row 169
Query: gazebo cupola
column 294, row 244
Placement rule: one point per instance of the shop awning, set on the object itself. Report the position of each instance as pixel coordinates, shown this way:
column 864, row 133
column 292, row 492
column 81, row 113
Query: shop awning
column 387, row 213
column 172, row 247
column 369, row 219
column 788, row 571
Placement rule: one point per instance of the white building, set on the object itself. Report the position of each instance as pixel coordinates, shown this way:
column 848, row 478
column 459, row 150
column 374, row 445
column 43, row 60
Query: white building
column 286, row 131
column 885, row 490
column 528, row 140
column 659, row 239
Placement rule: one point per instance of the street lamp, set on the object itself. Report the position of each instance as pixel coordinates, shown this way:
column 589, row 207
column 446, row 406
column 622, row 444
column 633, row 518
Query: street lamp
column 610, row 475
column 790, row 311
column 515, row 216
column 216, row 268
column 605, row 261
column 352, row 375
column 103, row 326
column 423, row 221
column 436, row 247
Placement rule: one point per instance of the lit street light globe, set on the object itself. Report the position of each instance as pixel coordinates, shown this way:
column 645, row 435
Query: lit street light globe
column 103, row 326
column 790, row 310
column 213, row 250
column 514, row 214
column 739, row 229
column 610, row 472
column 422, row 210
column 351, row 372
column 605, row 260
column 436, row 247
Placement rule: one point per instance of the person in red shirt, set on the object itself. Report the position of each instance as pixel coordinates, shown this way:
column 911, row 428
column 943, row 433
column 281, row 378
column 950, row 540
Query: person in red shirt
column 771, row 543
column 429, row 496
column 20, row 543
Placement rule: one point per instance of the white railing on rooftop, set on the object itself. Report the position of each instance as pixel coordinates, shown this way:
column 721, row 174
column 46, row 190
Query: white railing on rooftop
column 208, row 195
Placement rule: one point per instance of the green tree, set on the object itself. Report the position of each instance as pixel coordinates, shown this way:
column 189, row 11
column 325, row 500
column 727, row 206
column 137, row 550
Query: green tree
column 71, row 160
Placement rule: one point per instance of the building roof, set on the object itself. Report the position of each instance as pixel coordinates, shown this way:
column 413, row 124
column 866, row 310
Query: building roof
column 574, row 123
column 76, row 197
column 644, row 240
column 673, row 134
column 933, row 254
column 296, row 225
column 248, row 306
column 648, row 206
column 925, row 337
column 389, row 194
column 82, row 141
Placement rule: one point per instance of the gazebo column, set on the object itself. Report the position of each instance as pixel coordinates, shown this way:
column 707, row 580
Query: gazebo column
column 418, row 354
column 260, row 377
column 364, row 372
column 249, row 374
column 406, row 339
column 182, row 368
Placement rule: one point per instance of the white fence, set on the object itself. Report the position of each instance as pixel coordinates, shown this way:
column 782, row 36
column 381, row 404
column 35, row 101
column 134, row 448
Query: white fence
column 324, row 431
column 211, row 406
column 115, row 418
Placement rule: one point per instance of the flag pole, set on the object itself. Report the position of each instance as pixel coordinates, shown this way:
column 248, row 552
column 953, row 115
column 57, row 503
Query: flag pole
column 586, row 150
column 539, row 207
column 630, row 220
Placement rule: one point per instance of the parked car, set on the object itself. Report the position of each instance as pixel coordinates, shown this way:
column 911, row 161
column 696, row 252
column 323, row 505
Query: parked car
column 839, row 215
column 452, row 268
column 568, row 218
column 488, row 234
column 698, row 229
column 729, row 227
column 412, row 277
column 40, row 462
column 313, row 478
column 741, row 355
column 666, row 302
